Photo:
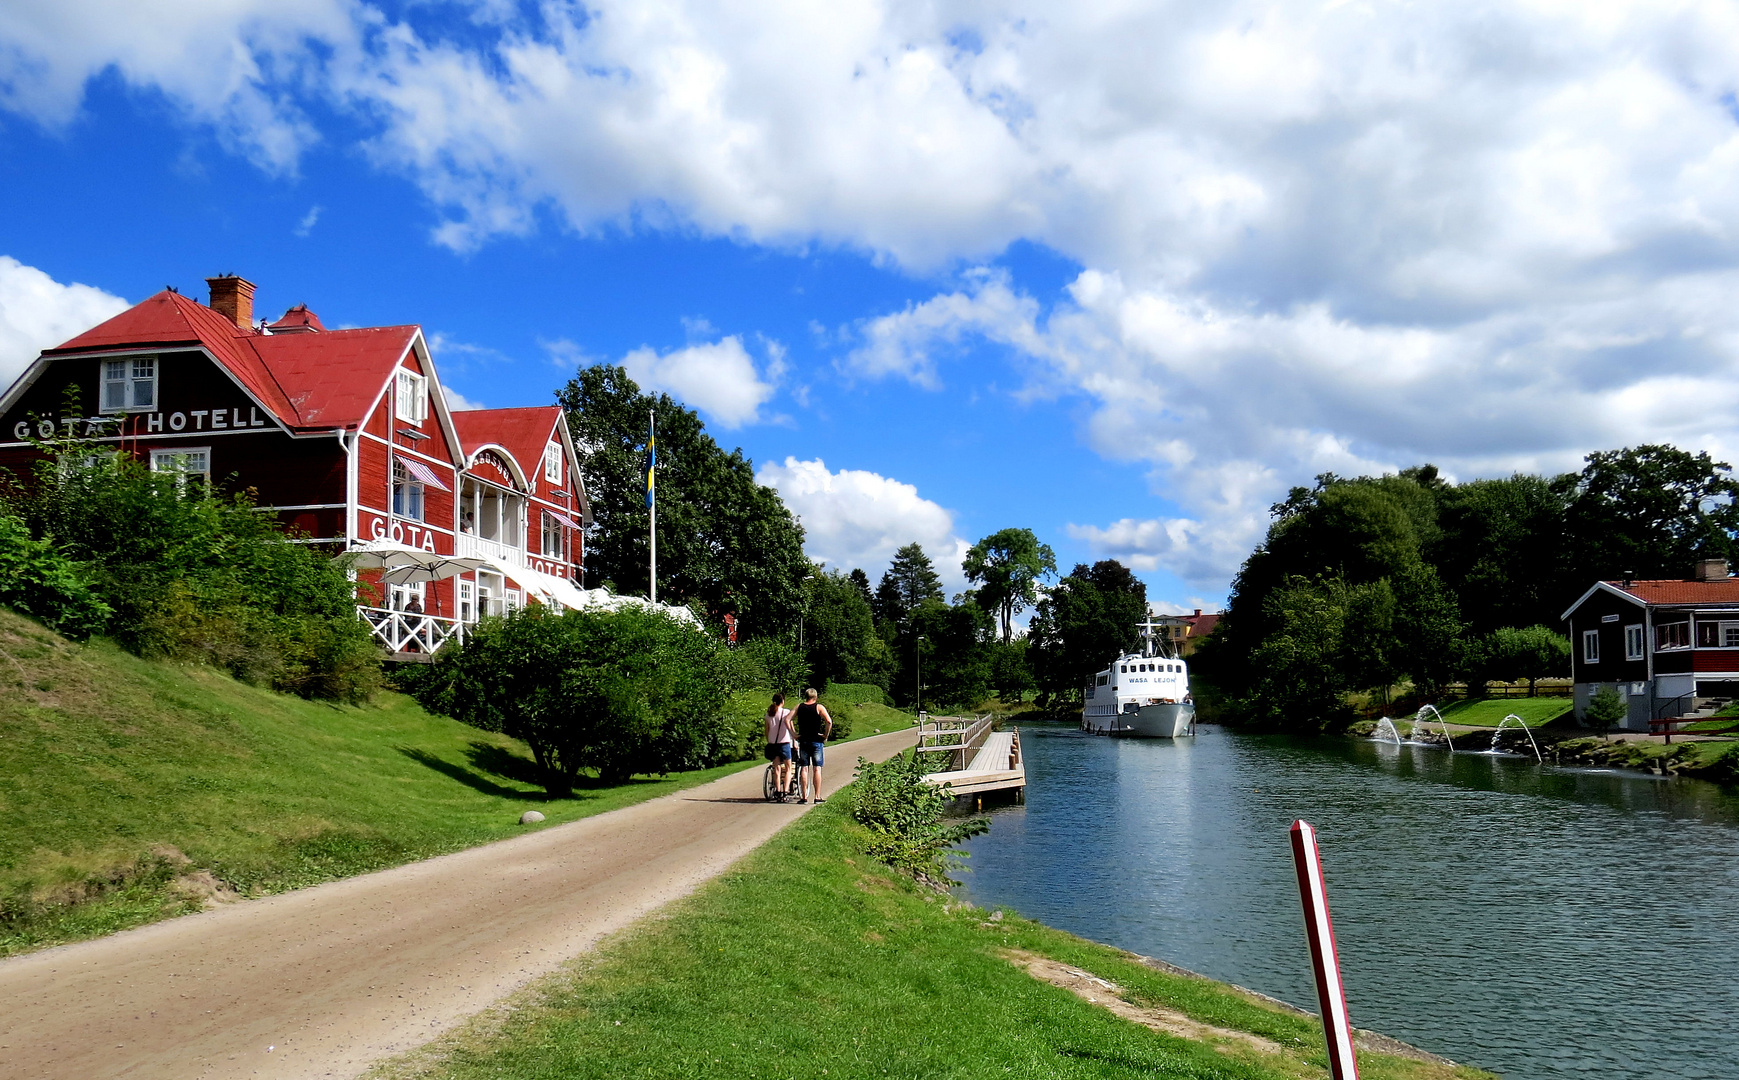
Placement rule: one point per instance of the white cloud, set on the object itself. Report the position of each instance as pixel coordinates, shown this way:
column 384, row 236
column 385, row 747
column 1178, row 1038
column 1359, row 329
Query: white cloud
column 1313, row 236
column 854, row 518
column 718, row 378
column 38, row 312
column 457, row 402
column 306, row 225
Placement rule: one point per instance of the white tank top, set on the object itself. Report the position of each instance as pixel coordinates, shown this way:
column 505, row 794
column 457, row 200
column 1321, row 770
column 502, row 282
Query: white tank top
column 779, row 726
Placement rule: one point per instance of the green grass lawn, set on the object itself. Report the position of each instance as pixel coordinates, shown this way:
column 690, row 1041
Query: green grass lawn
column 122, row 779
column 1490, row 712
column 807, row 959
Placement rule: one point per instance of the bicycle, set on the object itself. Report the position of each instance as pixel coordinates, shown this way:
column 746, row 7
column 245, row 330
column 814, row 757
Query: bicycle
column 770, row 783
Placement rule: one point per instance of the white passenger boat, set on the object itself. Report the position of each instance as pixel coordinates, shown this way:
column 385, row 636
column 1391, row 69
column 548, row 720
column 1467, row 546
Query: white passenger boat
column 1141, row 695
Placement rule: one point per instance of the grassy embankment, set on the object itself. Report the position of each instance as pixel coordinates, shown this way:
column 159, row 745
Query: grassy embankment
column 1490, row 712
column 809, row 959
column 132, row 790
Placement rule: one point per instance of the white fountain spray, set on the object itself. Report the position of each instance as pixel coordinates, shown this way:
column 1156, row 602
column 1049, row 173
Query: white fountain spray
column 1498, row 734
column 1386, row 732
column 1419, row 721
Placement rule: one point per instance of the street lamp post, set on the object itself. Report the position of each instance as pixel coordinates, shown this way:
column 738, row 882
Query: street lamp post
column 918, row 649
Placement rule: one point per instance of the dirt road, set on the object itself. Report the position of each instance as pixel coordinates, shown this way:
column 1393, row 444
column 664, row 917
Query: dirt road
column 324, row 981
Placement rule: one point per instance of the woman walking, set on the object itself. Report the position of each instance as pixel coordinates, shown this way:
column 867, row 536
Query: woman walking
column 779, row 738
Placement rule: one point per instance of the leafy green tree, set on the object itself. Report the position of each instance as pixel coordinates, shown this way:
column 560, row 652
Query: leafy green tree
column 1008, row 565
column 1009, row 673
column 1300, row 677
column 1503, row 551
column 1085, row 621
column 36, row 579
column 1606, row 709
column 861, row 582
column 909, row 580
column 622, row 692
column 723, row 539
column 1428, row 630
column 955, row 642
column 839, row 639
column 1532, row 653
column 1650, row 511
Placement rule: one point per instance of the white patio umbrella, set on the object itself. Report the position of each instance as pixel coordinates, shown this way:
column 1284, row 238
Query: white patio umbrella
column 400, row 565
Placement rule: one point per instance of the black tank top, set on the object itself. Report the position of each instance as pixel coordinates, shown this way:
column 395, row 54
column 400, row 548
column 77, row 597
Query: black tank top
column 809, row 722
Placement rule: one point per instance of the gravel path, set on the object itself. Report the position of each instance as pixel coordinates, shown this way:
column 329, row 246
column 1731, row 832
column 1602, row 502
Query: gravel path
column 324, row 981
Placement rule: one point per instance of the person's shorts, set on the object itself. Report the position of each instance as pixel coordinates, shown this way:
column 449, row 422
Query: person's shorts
column 778, row 751
column 809, row 753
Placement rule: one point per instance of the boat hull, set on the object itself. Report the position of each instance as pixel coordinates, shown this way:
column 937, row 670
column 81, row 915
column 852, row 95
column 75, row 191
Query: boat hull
column 1168, row 721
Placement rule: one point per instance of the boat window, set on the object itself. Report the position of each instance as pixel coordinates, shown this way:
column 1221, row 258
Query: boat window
column 1124, row 669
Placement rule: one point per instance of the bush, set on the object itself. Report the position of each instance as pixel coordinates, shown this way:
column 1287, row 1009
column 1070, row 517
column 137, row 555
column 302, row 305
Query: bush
column 38, row 580
column 904, row 817
column 620, row 692
column 1605, row 709
column 190, row 574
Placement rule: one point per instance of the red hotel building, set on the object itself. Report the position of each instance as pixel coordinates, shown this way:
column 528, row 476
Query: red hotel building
column 345, row 434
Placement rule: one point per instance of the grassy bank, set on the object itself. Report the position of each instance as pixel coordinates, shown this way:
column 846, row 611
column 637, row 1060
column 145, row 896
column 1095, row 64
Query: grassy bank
column 1490, row 712
column 810, row 960
column 132, row 790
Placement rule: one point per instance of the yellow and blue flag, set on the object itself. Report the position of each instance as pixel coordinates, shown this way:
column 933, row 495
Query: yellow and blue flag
column 651, row 466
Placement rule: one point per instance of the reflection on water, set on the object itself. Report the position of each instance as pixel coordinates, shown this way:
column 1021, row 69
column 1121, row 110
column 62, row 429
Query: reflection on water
column 1538, row 922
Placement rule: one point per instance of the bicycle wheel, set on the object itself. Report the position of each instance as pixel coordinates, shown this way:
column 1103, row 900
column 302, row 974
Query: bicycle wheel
column 770, row 784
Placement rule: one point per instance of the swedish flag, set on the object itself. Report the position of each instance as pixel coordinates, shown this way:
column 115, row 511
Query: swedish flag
column 651, row 466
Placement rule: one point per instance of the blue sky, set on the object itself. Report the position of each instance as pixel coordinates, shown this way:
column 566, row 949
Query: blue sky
column 1121, row 274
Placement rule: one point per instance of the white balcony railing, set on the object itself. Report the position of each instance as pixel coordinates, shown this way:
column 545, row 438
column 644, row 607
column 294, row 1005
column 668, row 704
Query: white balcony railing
column 410, row 631
column 472, row 546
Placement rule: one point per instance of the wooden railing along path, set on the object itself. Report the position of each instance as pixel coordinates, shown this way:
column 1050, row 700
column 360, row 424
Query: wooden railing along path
column 980, row 758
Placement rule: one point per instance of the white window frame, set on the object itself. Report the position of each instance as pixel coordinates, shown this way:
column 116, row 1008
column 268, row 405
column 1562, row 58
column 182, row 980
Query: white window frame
column 128, row 384
column 1633, row 642
column 467, row 601
column 1660, row 631
column 409, row 500
column 1591, row 646
column 412, row 397
column 552, row 527
column 552, row 463
column 175, row 460
column 399, row 596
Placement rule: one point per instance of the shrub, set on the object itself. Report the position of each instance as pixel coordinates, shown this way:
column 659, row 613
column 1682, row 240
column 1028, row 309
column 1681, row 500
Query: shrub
column 38, row 580
column 1605, row 709
column 193, row 575
column 620, row 692
column 904, row 817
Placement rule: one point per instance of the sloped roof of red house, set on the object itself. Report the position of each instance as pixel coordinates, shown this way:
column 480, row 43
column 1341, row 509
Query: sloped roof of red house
column 522, row 432
column 321, row 380
column 1203, row 625
column 1675, row 591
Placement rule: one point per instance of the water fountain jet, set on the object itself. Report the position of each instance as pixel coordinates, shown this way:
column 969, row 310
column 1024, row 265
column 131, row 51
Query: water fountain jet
column 1498, row 734
column 1419, row 721
column 1386, row 727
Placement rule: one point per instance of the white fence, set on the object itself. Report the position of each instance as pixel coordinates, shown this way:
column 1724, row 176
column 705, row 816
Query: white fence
column 410, row 631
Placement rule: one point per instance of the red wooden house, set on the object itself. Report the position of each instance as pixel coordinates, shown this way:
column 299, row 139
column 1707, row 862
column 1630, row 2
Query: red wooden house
column 345, row 434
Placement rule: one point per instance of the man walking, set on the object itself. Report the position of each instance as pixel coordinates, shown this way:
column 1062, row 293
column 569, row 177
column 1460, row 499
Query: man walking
column 814, row 725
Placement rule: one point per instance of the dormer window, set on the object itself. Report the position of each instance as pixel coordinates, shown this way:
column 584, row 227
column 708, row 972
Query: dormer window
column 413, row 397
column 552, row 463
column 130, row 385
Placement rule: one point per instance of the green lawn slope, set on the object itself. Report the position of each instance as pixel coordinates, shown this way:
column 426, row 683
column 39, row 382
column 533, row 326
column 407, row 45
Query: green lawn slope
column 132, row 790
column 809, row 959
column 1490, row 712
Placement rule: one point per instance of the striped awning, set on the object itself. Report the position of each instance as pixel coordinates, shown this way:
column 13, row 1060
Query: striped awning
column 424, row 473
column 563, row 518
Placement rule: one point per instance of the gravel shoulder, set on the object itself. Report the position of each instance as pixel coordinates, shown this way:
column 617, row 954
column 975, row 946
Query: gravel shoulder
column 324, row 981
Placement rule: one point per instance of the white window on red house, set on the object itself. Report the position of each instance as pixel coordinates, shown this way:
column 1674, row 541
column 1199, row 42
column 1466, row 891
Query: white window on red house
column 467, row 602
column 1591, row 646
column 130, row 384
column 1633, row 642
column 407, row 493
column 413, row 397
column 554, row 537
column 1676, row 635
column 552, row 463
column 187, row 465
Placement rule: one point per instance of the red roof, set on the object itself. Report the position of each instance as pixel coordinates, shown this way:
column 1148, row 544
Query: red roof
column 297, row 318
column 314, row 381
column 1678, row 591
column 522, row 432
column 1203, row 625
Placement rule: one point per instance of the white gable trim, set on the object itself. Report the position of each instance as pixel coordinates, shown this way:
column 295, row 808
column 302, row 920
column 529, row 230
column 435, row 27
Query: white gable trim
column 1597, row 587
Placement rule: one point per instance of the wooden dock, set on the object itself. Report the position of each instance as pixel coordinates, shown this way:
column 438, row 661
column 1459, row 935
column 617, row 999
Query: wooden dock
column 981, row 760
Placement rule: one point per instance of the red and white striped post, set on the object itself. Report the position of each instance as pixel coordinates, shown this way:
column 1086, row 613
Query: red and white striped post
column 1329, row 993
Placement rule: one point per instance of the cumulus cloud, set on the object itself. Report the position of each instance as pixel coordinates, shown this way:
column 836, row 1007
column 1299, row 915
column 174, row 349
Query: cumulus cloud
column 719, row 379
column 457, row 402
column 1312, row 236
column 38, row 312
column 855, row 518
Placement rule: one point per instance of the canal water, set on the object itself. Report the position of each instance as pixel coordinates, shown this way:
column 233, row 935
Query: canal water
column 1539, row 922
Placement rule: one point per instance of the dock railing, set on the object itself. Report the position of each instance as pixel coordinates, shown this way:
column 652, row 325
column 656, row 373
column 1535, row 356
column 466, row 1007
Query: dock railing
column 957, row 736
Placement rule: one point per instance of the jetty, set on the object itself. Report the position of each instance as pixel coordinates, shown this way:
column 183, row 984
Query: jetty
column 980, row 760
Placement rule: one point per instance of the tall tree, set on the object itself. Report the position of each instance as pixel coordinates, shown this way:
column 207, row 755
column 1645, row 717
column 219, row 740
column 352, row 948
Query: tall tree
column 909, row 580
column 861, row 581
column 1651, row 511
column 1008, row 565
column 840, row 642
column 723, row 539
column 1085, row 621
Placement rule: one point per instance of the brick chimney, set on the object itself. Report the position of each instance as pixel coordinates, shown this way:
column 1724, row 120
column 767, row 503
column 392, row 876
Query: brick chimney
column 1711, row 570
column 233, row 298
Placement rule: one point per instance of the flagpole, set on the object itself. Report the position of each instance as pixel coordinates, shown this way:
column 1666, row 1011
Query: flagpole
column 652, row 493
